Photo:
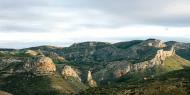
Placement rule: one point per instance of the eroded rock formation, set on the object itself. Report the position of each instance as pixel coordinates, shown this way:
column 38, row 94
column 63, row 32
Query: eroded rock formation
column 122, row 68
column 68, row 71
column 157, row 60
column 162, row 54
column 90, row 80
column 42, row 66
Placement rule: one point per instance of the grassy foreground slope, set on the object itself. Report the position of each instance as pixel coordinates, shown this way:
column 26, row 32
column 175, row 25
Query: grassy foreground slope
column 28, row 84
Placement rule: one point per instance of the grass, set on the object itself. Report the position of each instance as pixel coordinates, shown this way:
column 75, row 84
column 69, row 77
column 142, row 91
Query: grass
column 29, row 84
column 172, row 83
column 172, row 78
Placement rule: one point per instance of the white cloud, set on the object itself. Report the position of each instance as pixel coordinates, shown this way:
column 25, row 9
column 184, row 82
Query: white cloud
column 179, row 8
column 99, row 34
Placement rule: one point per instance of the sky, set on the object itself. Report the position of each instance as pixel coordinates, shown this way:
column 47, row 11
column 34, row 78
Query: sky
column 27, row 23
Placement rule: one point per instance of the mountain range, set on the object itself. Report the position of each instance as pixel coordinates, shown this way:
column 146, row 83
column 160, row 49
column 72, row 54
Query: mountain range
column 138, row 67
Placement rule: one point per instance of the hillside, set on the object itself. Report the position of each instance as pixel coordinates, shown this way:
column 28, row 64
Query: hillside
column 172, row 78
column 29, row 84
column 132, row 67
column 172, row 83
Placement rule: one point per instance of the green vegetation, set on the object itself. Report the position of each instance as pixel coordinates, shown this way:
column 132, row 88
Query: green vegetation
column 170, row 78
column 172, row 83
column 170, row 64
column 13, row 54
column 29, row 84
column 126, row 45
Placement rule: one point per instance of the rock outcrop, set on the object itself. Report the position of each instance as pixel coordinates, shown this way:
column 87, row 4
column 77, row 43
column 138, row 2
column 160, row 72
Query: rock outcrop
column 32, row 53
column 41, row 66
column 121, row 68
column 56, row 57
column 90, row 80
column 68, row 71
column 154, row 43
column 157, row 60
column 4, row 93
column 162, row 54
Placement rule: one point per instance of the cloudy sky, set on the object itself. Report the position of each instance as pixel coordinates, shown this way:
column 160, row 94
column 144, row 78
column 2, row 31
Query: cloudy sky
column 25, row 23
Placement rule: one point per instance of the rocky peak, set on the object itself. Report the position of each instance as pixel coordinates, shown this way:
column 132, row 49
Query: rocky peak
column 56, row 57
column 89, row 77
column 163, row 54
column 41, row 66
column 90, row 80
column 68, row 71
column 155, row 43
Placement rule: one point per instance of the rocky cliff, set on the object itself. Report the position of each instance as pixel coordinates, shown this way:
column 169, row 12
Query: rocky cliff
column 90, row 80
column 122, row 68
column 41, row 66
column 157, row 60
column 68, row 71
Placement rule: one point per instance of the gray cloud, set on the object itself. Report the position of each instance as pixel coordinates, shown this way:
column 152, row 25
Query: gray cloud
column 92, row 13
column 150, row 12
column 22, row 28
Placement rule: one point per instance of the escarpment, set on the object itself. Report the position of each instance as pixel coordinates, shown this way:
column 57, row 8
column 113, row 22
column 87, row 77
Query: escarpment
column 122, row 68
column 157, row 60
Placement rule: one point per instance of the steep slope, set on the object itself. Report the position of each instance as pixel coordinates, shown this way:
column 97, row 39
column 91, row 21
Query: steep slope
column 35, row 76
column 172, row 83
column 170, row 64
column 163, row 62
column 182, row 49
column 29, row 84
column 100, row 53
column 169, row 78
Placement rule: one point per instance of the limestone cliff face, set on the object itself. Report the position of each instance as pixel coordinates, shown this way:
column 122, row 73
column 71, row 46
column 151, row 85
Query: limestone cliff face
column 121, row 68
column 90, row 80
column 157, row 60
column 42, row 66
column 162, row 55
column 68, row 71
